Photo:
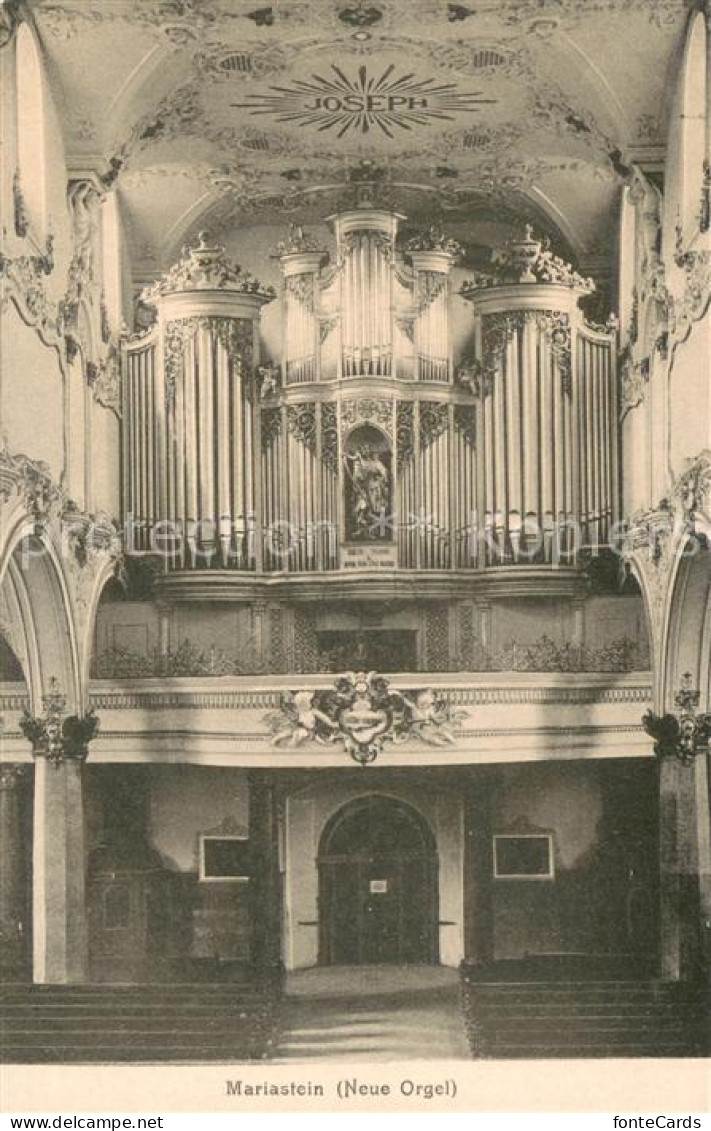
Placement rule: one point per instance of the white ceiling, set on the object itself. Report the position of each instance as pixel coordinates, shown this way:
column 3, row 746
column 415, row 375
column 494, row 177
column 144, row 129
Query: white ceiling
column 226, row 113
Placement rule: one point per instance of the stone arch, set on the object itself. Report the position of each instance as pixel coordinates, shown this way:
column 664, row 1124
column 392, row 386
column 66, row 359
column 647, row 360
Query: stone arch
column 687, row 641
column 105, row 574
column 32, row 570
column 378, row 880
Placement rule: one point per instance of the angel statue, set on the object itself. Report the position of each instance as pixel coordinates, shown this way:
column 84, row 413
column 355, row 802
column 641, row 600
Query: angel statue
column 370, row 481
column 299, row 720
column 268, row 380
column 430, row 718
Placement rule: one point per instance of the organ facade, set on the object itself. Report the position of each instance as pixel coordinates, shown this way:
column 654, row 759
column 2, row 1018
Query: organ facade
column 369, row 446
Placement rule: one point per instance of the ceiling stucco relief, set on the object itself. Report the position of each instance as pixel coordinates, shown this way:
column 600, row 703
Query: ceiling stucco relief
column 227, row 113
column 203, row 14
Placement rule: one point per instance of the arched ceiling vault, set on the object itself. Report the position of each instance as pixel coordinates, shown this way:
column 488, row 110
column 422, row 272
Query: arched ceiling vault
column 243, row 112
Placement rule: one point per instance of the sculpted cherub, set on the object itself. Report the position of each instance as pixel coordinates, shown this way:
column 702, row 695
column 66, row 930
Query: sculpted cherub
column 268, row 380
column 430, row 718
column 298, row 720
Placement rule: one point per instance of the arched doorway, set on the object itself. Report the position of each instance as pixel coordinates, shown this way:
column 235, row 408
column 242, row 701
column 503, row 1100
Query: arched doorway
column 377, row 867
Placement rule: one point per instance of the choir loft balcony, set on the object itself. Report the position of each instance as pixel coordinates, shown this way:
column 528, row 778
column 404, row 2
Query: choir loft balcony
column 370, row 459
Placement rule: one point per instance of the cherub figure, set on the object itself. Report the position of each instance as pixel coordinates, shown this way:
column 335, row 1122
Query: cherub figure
column 268, row 380
column 299, row 720
column 430, row 718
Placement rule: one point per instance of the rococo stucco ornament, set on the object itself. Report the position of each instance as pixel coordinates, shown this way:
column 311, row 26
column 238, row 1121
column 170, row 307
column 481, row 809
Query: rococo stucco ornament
column 361, row 712
column 206, row 268
column 527, row 259
column 693, row 490
column 56, row 736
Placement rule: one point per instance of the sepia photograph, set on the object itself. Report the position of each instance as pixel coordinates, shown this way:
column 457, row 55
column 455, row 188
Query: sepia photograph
column 355, row 584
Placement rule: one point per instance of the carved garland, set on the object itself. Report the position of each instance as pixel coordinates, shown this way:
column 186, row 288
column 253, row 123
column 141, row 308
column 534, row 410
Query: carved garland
column 405, row 432
column 104, row 380
column 368, row 410
column 434, row 418
column 430, row 285
column 382, row 240
column 271, row 426
column 329, row 435
column 235, row 335
column 499, row 329
column 301, row 423
column 301, row 287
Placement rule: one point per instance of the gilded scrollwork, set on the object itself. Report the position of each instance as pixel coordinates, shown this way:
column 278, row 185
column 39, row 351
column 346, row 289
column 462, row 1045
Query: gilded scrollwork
column 434, row 419
column 271, row 426
column 405, row 432
column 368, row 410
column 302, row 288
column 235, row 335
column 301, row 423
column 329, row 435
column 430, row 285
column 104, row 380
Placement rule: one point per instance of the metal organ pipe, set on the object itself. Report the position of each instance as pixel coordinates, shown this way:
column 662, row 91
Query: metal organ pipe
column 546, row 411
column 190, row 413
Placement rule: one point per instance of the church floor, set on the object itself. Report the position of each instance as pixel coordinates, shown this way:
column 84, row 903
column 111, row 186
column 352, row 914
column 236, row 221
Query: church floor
column 372, row 1013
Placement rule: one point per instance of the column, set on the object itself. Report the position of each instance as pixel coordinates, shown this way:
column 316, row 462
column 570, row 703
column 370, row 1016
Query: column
column 680, row 925
column 59, row 927
column 13, row 874
column 478, row 867
column 265, row 879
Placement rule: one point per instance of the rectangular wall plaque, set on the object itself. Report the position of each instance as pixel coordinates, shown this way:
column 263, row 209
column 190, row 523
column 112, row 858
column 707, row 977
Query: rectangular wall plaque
column 369, row 556
column 526, row 856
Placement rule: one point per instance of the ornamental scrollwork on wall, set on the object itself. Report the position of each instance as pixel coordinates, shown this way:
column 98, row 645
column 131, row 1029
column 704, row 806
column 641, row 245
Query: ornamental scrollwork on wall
column 329, row 435
column 650, row 542
column 405, row 432
column 368, row 410
column 84, row 201
column 104, row 380
column 23, row 280
column 634, row 379
column 32, row 481
column 692, row 490
column 695, row 299
column 271, row 426
column 301, row 424
column 434, row 419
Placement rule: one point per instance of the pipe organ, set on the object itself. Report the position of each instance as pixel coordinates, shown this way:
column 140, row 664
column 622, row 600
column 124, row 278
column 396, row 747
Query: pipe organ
column 367, row 448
